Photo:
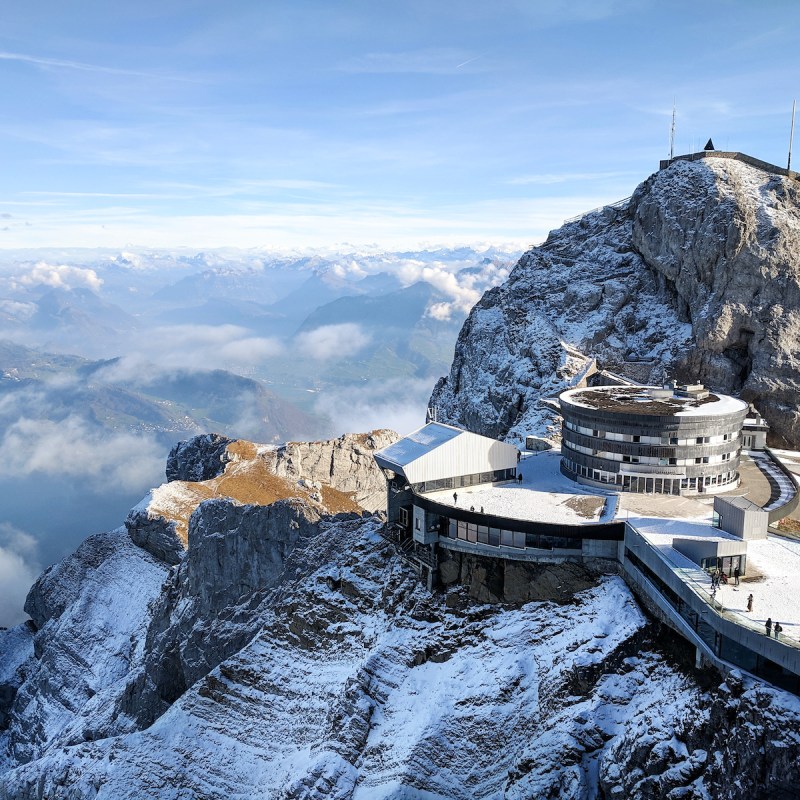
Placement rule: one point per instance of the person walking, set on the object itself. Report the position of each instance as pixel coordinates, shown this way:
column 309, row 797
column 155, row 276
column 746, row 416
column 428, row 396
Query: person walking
column 768, row 626
column 455, row 498
column 736, row 574
column 520, row 477
column 778, row 629
column 750, row 602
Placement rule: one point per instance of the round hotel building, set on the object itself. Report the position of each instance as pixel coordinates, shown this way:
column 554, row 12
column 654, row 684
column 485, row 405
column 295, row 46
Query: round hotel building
column 675, row 440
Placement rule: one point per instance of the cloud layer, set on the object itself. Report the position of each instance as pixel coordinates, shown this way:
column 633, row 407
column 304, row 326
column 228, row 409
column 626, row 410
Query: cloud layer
column 59, row 276
column 19, row 568
column 332, row 341
column 191, row 347
column 42, row 447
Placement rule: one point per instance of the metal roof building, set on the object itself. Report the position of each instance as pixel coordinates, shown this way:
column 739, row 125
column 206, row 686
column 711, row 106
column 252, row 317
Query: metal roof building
column 439, row 456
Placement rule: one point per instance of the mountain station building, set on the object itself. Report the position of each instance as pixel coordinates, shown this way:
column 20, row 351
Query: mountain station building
column 679, row 440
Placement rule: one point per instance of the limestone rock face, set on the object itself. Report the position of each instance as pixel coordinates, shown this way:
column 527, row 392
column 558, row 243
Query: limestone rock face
column 345, row 463
column 91, row 612
column 494, row 580
column 199, row 458
column 728, row 247
column 697, row 276
column 236, row 554
column 154, row 533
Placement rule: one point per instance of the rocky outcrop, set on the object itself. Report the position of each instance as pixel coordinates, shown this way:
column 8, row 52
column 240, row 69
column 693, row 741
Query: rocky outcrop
column 740, row 741
column 726, row 243
column 345, row 463
column 154, row 533
column 337, row 476
column 496, row 580
column 199, row 458
column 698, row 277
column 237, row 553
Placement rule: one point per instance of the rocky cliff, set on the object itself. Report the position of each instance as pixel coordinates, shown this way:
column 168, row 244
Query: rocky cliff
column 345, row 463
column 697, row 276
column 291, row 654
column 338, row 475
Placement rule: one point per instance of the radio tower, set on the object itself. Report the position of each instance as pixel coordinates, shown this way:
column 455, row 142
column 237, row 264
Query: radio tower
column 672, row 134
column 791, row 136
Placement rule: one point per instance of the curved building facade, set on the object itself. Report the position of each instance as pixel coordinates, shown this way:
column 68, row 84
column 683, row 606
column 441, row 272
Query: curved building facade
column 675, row 440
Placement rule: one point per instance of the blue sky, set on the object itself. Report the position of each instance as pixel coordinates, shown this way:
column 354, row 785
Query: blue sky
column 305, row 123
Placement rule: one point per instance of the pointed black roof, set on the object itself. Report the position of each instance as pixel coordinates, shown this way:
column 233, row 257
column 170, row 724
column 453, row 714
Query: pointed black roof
column 709, row 145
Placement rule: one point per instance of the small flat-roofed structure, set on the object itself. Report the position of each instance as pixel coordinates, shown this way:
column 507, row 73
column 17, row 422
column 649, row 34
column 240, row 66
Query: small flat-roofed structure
column 712, row 552
column 754, row 433
column 671, row 440
column 741, row 517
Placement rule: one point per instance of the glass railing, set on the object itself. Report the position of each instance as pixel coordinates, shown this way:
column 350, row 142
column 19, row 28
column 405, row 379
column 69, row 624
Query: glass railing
column 713, row 601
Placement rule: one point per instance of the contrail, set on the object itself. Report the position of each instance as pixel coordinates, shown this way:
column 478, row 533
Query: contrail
column 470, row 60
column 79, row 65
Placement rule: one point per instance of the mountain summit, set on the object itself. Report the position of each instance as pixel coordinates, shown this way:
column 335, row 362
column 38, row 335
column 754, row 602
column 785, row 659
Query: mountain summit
column 697, row 274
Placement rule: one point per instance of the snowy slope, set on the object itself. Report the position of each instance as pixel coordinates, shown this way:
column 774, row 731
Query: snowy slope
column 92, row 613
column 372, row 685
column 292, row 654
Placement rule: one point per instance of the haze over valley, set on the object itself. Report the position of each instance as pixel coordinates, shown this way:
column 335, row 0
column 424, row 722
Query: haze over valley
column 108, row 359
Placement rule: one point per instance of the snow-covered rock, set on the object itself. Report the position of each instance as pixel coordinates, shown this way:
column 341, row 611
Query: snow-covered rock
column 698, row 275
column 199, row 458
column 92, row 612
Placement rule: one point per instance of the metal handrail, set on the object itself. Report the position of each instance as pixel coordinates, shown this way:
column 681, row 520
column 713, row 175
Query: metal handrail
column 709, row 600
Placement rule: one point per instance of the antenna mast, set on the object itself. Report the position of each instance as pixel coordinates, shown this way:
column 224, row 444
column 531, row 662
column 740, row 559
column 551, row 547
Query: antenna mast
column 672, row 133
column 791, row 135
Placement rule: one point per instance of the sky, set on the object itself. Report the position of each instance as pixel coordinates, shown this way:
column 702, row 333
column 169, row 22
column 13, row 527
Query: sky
column 302, row 124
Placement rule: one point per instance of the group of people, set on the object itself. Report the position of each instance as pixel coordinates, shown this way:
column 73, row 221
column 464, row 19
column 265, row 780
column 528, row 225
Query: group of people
column 718, row 576
column 777, row 627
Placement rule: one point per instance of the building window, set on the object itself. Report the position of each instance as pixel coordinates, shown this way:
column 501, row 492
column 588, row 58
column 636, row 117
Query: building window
column 637, row 438
column 404, row 517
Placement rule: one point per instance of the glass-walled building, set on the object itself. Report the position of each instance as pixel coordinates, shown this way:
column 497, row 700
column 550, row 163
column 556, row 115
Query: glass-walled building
column 673, row 440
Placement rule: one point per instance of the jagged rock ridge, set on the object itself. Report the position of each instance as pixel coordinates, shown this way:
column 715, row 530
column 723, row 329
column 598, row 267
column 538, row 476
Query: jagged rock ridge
column 339, row 475
column 697, row 276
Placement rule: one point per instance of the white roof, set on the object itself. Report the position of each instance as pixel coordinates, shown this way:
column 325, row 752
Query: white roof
column 418, row 443
column 438, row 451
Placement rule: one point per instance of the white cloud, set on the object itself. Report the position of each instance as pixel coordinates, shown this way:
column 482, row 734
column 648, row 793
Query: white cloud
column 333, row 341
column 398, row 404
column 60, row 276
column 19, row 568
column 70, row 447
column 191, row 347
column 463, row 288
column 441, row 311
